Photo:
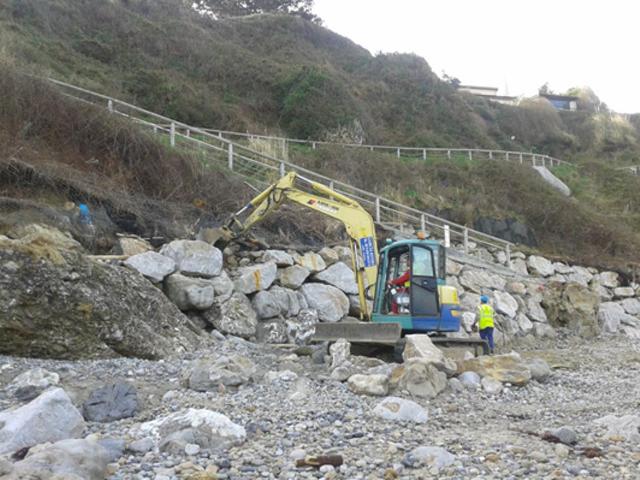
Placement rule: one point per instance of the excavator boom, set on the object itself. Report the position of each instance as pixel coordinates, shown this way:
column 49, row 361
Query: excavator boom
column 357, row 221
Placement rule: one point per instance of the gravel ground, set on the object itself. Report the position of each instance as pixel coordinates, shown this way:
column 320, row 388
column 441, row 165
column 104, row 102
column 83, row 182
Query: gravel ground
column 491, row 436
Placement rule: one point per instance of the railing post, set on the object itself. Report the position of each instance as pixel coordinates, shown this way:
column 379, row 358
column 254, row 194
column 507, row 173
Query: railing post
column 521, row 160
column 508, row 252
column 331, row 185
column 219, row 134
column 470, row 156
column 449, row 154
column 544, row 162
column 447, row 236
column 155, row 129
column 172, row 134
column 230, row 158
column 378, row 209
column 281, row 169
column 110, row 105
column 466, row 240
column 313, row 145
column 424, row 153
column 423, row 223
column 188, row 133
column 398, row 152
column 490, row 155
column 507, row 156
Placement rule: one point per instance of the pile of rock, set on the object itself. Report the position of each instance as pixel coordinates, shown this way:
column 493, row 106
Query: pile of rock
column 272, row 295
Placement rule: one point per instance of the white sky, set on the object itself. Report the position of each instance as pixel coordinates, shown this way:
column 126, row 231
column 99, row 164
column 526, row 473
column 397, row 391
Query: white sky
column 516, row 43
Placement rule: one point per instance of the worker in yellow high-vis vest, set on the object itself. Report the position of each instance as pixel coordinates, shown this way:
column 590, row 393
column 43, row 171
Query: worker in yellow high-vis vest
column 484, row 320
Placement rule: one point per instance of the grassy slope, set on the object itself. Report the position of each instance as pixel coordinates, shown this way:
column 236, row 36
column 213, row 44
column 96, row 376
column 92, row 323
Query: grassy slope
column 271, row 73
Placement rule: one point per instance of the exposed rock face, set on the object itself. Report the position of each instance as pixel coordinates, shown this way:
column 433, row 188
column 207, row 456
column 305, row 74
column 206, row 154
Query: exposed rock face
column 189, row 293
column 72, row 459
column 293, row 277
column 256, row 277
column 331, row 303
column 48, row 418
column 60, row 304
column 340, row 276
column 504, row 368
column 194, row 258
column 509, row 229
column 235, row 316
column 111, row 402
column 152, row 265
column 573, row 306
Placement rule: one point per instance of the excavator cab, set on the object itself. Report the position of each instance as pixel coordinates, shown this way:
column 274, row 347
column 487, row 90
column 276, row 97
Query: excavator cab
column 411, row 289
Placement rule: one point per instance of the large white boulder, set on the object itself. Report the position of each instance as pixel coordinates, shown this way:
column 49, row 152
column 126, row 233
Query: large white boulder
column 293, row 277
column 71, row 459
column 235, row 316
column 611, row 315
column 373, row 384
column 609, row 279
column 624, row 292
column 420, row 346
column 222, row 286
column 631, row 306
column 265, row 304
column 340, row 276
column 280, row 257
column 31, row 383
column 504, row 303
column 479, row 281
column 552, row 180
column 399, row 409
column 208, row 429
column 288, row 301
column 540, row 266
column 152, row 265
column 48, row 418
column 330, row 302
column 194, row 257
column 207, row 374
column 311, row 261
column 256, row 277
column 627, row 427
column 189, row 293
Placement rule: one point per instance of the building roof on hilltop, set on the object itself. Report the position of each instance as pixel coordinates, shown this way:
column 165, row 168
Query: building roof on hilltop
column 553, row 96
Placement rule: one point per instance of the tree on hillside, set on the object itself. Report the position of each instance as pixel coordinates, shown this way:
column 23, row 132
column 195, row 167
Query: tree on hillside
column 239, row 8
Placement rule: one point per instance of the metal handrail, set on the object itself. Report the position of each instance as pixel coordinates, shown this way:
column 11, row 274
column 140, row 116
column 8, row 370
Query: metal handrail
column 262, row 168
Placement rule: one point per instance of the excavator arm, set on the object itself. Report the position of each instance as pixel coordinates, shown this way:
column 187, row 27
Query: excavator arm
column 357, row 221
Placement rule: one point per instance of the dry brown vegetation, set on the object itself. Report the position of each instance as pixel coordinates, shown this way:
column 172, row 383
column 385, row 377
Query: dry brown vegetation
column 55, row 150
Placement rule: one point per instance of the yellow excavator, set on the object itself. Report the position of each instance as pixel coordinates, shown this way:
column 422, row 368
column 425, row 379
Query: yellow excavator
column 405, row 280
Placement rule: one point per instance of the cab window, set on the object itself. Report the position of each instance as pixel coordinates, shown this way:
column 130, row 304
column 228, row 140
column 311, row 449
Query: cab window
column 422, row 262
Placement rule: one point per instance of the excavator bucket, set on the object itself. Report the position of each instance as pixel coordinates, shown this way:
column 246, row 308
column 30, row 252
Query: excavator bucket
column 359, row 332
